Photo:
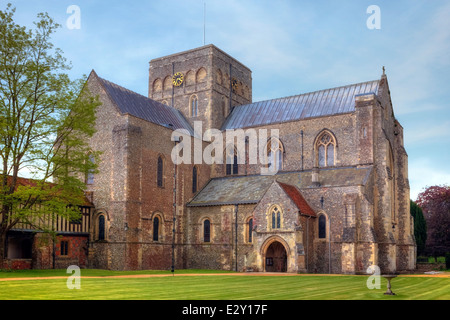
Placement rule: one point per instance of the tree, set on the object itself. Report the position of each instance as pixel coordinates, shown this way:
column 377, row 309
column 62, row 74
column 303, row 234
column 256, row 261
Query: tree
column 420, row 227
column 44, row 122
column 435, row 203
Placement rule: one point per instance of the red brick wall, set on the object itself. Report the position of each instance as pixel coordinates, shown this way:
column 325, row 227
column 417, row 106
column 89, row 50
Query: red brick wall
column 17, row 264
column 77, row 251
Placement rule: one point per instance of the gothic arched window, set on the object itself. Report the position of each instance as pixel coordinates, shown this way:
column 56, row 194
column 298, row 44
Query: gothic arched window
column 155, row 228
column 275, row 215
column 101, row 228
column 326, row 150
column 206, row 231
column 322, row 226
column 275, row 154
column 193, row 106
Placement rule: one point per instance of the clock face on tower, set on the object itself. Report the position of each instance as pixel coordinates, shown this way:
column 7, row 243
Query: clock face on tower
column 177, row 79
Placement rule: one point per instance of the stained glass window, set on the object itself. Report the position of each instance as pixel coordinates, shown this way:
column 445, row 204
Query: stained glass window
column 194, row 106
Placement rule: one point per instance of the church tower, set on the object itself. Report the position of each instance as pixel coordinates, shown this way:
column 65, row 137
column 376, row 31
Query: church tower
column 203, row 83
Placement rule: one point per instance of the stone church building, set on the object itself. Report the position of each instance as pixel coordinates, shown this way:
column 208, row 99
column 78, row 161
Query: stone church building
column 338, row 203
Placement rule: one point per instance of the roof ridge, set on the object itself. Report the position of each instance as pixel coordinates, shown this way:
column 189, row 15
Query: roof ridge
column 134, row 92
column 310, row 92
column 325, row 102
column 142, row 106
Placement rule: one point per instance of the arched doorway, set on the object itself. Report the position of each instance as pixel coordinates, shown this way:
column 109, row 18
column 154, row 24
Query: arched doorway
column 276, row 258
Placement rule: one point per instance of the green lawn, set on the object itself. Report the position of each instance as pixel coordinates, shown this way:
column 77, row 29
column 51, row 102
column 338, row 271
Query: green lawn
column 216, row 287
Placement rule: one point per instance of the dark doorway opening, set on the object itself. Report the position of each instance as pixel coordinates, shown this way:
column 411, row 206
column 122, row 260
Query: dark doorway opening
column 276, row 258
column 19, row 245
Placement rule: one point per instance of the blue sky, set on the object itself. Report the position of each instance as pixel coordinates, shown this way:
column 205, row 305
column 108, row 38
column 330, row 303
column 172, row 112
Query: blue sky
column 291, row 46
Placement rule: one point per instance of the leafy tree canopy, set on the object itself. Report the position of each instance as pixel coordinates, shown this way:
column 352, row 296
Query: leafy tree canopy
column 45, row 120
column 435, row 202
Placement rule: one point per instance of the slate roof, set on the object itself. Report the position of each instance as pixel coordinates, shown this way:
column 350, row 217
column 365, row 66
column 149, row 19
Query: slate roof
column 309, row 105
column 251, row 189
column 132, row 103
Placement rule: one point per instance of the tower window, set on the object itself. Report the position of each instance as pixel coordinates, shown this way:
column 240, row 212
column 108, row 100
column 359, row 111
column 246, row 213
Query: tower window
column 194, row 106
column 155, row 229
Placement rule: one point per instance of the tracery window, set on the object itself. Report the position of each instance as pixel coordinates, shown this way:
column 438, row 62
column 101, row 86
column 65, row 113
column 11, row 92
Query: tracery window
column 326, row 150
column 275, row 155
column 276, row 218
